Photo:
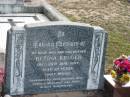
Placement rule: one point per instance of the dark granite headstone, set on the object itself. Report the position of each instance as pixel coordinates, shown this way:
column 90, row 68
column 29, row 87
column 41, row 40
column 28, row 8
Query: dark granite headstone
column 54, row 57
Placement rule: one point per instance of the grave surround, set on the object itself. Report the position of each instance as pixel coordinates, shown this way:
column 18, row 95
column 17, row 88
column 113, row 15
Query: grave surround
column 42, row 54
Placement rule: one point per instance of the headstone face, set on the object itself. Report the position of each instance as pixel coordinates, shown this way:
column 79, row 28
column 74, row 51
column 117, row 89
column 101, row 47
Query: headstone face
column 54, row 57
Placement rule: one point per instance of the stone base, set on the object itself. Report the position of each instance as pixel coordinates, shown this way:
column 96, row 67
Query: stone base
column 98, row 93
column 115, row 90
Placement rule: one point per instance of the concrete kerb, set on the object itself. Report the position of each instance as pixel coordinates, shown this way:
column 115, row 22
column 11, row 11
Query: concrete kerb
column 43, row 8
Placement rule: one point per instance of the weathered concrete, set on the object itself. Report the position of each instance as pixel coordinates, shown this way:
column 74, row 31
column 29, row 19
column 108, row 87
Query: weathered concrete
column 40, row 7
column 17, row 20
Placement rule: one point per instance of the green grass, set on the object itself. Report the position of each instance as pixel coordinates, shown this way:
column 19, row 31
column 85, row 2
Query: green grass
column 117, row 45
